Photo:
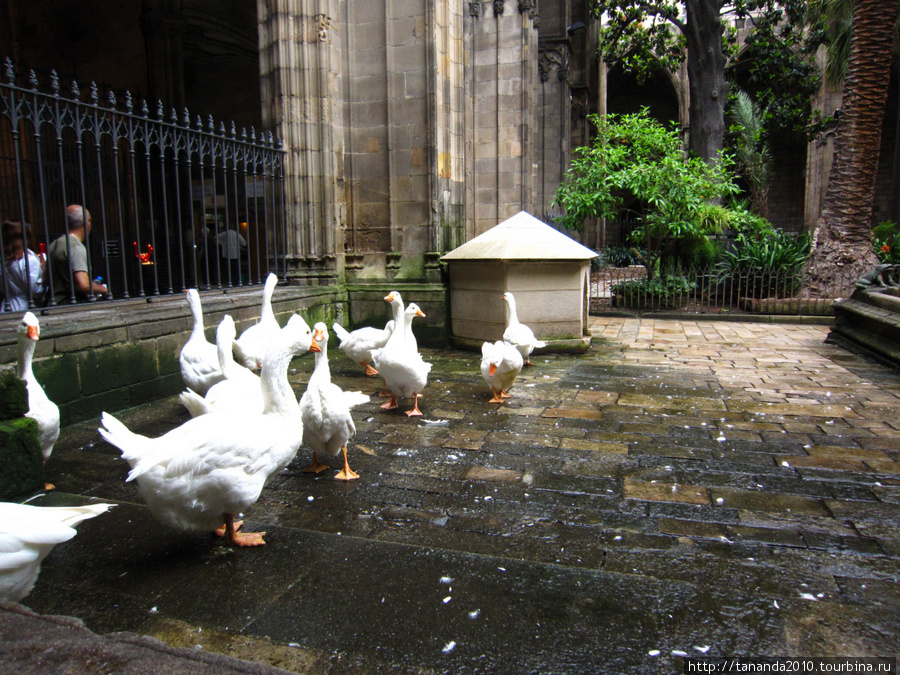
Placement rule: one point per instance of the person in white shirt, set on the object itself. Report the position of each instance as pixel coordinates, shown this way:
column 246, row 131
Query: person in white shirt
column 23, row 275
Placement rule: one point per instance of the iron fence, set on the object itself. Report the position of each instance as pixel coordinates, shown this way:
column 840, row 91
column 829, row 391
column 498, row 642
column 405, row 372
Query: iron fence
column 709, row 290
column 168, row 198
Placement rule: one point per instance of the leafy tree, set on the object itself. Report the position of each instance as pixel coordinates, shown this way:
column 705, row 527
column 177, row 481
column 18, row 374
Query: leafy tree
column 842, row 243
column 634, row 156
column 659, row 34
column 777, row 62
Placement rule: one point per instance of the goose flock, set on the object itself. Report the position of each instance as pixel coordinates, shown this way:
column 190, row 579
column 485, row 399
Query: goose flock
column 244, row 427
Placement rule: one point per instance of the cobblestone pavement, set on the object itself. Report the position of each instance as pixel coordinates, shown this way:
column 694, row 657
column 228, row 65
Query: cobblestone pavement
column 686, row 488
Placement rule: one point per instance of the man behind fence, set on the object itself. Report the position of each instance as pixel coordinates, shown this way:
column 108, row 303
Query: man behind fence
column 69, row 249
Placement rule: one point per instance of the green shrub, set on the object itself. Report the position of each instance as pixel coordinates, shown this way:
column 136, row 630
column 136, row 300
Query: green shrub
column 886, row 239
column 663, row 292
column 622, row 256
column 744, row 221
column 766, row 266
column 692, row 252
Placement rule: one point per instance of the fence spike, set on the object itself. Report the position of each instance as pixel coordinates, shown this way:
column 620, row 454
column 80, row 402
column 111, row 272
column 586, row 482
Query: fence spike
column 112, row 99
column 271, row 140
column 186, row 118
column 9, row 70
column 252, row 134
column 145, row 111
column 199, row 123
column 33, row 80
column 244, row 134
column 173, row 116
column 95, row 93
column 129, row 104
column 54, row 82
column 221, row 128
column 160, row 112
column 76, row 90
column 211, row 124
column 232, row 130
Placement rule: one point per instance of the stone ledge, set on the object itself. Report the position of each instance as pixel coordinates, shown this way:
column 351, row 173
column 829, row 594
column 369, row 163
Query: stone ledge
column 867, row 322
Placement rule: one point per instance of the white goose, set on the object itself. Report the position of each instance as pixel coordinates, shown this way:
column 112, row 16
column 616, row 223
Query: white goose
column 250, row 348
column 205, row 472
column 517, row 333
column 241, row 389
column 27, row 534
column 198, row 359
column 404, row 371
column 358, row 345
column 40, row 408
column 501, row 364
column 325, row 409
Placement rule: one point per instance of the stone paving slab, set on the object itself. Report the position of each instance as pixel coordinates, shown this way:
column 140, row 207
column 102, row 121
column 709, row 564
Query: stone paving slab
column 683, row 485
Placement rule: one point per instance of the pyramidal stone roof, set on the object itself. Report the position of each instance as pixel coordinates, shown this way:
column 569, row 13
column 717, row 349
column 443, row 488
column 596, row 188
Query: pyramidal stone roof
column 522, row 237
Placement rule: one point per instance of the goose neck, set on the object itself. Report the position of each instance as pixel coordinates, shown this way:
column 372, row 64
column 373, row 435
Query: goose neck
column 322, row 369
column 278, row 396
column 26, row 356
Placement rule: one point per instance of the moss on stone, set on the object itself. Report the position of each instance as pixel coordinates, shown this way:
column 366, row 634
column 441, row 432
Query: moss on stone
column 20, row 457
column 412, row 267
column 168, row 349
column 13, row 396
column 59, row 377
column 118, row 366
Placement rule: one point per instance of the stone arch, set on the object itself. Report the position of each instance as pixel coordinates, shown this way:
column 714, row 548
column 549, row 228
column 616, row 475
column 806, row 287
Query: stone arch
column 659, row 93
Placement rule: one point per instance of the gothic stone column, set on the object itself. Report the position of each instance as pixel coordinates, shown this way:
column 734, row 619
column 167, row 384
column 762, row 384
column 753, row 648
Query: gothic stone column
column 300, row 56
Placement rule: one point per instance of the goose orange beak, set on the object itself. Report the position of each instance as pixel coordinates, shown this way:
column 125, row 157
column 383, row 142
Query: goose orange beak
column 493, row 368
column 34, row 332
column 389, row 297
column 314, row 347
column 419, row 312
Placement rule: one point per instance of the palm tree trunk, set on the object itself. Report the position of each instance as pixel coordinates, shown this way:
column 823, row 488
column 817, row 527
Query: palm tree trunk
column 842, row 244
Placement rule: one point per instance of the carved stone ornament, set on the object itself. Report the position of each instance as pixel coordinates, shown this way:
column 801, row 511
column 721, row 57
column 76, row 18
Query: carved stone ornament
column 580, row 106
column 323, row 25
column 526, row 7
column 475, row 9
column 557, row 57
column 499, row 6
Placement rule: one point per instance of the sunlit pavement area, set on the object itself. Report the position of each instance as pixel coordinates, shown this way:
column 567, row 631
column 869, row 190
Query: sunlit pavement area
column 686, row 488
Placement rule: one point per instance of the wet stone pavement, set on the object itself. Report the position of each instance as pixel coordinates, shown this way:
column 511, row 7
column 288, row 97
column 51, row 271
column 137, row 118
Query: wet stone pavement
column 686, row 488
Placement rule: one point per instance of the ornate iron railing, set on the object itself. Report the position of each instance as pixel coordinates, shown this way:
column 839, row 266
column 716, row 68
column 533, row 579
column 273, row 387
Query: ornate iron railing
column 165, row 195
